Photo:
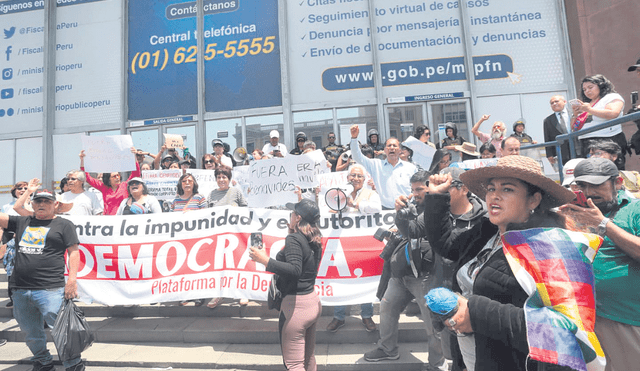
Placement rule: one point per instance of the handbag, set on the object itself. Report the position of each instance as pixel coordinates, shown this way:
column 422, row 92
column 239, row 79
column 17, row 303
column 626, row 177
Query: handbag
column 274, row 296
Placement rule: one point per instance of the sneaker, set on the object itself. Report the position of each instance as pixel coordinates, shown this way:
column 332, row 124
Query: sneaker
column 10, row 304
column 379, row 355
column 184, row 303
column 214, row 303
column 3, row 342
column 334, row 325
column 244, row 302
column 198, row 302
column 369, row 324
column 37, row 366
column 76, row 367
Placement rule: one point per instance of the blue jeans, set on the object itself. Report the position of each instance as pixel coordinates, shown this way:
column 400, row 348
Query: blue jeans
column 399, row 293
column 366, row 311
column 32, row 308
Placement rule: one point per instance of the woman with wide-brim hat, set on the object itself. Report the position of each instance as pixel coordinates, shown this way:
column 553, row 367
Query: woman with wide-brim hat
column 493, row 320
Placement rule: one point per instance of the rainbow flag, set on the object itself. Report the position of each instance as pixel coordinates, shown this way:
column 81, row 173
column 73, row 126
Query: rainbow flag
column 553, row 266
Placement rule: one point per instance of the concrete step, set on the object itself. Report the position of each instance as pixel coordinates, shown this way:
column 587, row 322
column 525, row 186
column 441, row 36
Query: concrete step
column 230, row 330
column 122, row 356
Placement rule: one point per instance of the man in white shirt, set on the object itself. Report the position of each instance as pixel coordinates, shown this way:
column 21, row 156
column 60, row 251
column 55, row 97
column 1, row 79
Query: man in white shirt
column 84, row 202
column 274, row 148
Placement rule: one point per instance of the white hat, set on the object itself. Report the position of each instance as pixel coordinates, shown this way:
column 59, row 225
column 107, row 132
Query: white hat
column 567, row 169
column 274, row 134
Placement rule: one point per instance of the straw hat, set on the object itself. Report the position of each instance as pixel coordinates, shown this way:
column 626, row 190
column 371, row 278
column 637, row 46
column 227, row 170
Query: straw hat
column 521, row 168
column 468, row 148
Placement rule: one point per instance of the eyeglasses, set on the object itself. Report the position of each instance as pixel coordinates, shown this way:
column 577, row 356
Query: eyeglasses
column 359, row 176
column 332, row 137
column 22, row 189
column 597, row 153
column 427, row 134
column 209, row 162
column 70, row 179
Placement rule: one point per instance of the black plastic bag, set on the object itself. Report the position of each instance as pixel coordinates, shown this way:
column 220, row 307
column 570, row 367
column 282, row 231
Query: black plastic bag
column 71, row 333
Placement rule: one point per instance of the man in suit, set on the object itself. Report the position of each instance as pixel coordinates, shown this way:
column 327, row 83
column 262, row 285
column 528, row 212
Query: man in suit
column 555, row 124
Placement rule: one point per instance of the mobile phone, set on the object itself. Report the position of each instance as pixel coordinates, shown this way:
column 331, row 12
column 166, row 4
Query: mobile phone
column 574, row 102
column 255, row 240
column 581, row 199
column 276, row 151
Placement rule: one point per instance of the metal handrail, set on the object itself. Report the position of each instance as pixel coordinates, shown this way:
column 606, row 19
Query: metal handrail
column 560, row 139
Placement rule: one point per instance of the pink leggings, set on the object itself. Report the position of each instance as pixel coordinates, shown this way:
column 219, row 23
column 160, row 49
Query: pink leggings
column 299, row 315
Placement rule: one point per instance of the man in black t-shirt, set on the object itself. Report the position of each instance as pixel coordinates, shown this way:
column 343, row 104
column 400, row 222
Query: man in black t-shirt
column 38, row 276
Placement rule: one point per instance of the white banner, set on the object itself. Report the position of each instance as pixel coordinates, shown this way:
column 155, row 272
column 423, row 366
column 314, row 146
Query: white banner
column 106, row 154
column 422, row 153
column 206, row 180
column 165, row 257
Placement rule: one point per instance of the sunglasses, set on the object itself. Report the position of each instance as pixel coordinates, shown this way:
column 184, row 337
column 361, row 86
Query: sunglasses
column 209, row 162
column 482, row 258
column 70, row 179
column 21, row 189
column 332, row 137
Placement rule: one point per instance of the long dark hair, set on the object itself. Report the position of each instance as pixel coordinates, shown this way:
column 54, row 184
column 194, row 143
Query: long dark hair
column 312, row 234
column 542, row 216
column 603, row 83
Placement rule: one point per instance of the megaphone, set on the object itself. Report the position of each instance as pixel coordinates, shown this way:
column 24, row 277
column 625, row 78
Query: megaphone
column 240, row 154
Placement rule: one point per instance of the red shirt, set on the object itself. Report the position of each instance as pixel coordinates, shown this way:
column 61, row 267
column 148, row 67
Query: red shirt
column 111, row 198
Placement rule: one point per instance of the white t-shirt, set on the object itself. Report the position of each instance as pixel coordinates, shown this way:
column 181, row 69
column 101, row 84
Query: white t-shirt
column 268, row 148
column 610, row 131
column 85, row 203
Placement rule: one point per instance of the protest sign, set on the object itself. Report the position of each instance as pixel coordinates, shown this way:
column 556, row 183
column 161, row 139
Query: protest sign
column 422, row 153
column 273, row 182
column 137, row 259
column 206, row 180
column 173, row 141
column 477, row 163
column 162, row 184
column 107, row 154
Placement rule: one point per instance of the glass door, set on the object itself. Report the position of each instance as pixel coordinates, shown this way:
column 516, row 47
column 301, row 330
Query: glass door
column 403, row 119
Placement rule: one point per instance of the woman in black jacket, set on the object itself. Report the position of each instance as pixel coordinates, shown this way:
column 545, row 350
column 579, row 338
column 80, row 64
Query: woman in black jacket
column 518, row 197
column 298, row 264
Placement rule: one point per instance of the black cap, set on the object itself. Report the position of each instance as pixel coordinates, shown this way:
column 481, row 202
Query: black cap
column 455, row 174
column 44, row 194
column 167, row 157
column 595, row 170
column 307, row 209
column 635, row 66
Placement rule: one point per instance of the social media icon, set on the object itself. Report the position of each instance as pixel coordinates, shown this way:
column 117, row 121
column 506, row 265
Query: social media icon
column 7, row 73
column 9, row 33
column 6, row 93
column 8, row 52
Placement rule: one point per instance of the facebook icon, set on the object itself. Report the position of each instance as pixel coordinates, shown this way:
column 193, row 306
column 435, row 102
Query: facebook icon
column 8, row 52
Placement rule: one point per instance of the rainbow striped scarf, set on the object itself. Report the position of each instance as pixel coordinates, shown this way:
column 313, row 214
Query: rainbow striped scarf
column 553, row 266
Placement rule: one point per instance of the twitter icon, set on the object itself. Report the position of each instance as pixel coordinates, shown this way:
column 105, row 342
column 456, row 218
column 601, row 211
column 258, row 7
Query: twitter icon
column 8, row 33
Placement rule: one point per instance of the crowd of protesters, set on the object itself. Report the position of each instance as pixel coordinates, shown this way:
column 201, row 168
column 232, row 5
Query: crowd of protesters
column 459, row 220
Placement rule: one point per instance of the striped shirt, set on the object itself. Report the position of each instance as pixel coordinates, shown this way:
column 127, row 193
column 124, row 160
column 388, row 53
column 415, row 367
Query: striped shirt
column 196, row 202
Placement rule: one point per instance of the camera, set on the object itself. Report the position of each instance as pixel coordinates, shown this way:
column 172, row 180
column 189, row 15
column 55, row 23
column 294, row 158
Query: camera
column 332, row 155
column 410, row 212
column 393, row 240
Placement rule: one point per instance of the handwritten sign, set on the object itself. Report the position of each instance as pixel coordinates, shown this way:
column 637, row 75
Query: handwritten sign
column 422, row 153
column 173, row 141
column 106, row 154
column 273, row 182
column 206, row 180
column 163, row 184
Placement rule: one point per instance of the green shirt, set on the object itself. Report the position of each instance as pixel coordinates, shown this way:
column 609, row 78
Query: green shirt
column 617, row 274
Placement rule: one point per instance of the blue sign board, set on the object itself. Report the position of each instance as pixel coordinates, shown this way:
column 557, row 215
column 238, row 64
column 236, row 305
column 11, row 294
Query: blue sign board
column 241, row 54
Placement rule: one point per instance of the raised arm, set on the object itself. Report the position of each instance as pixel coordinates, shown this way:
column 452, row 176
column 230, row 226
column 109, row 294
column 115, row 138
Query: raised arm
column 32, row 187
column 476, row 128
column 158, row 158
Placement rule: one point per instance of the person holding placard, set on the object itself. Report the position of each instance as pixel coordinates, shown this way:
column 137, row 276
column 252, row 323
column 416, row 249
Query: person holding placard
column 113, row 189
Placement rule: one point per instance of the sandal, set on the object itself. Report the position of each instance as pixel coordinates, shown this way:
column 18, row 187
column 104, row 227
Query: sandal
column 198, row 302
column 214, row 303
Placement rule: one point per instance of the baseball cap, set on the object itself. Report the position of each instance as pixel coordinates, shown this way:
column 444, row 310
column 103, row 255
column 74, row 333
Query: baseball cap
column 216, row 142
column 135, row 179
column 43, row 194
column 568, row 170
column 634, row 67
column 307, row 209
column 454, row 172
column 274, row 134
column 595, row 170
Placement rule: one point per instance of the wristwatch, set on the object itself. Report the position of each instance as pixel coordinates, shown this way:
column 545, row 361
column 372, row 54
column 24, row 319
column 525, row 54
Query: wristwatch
column 602, row 227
